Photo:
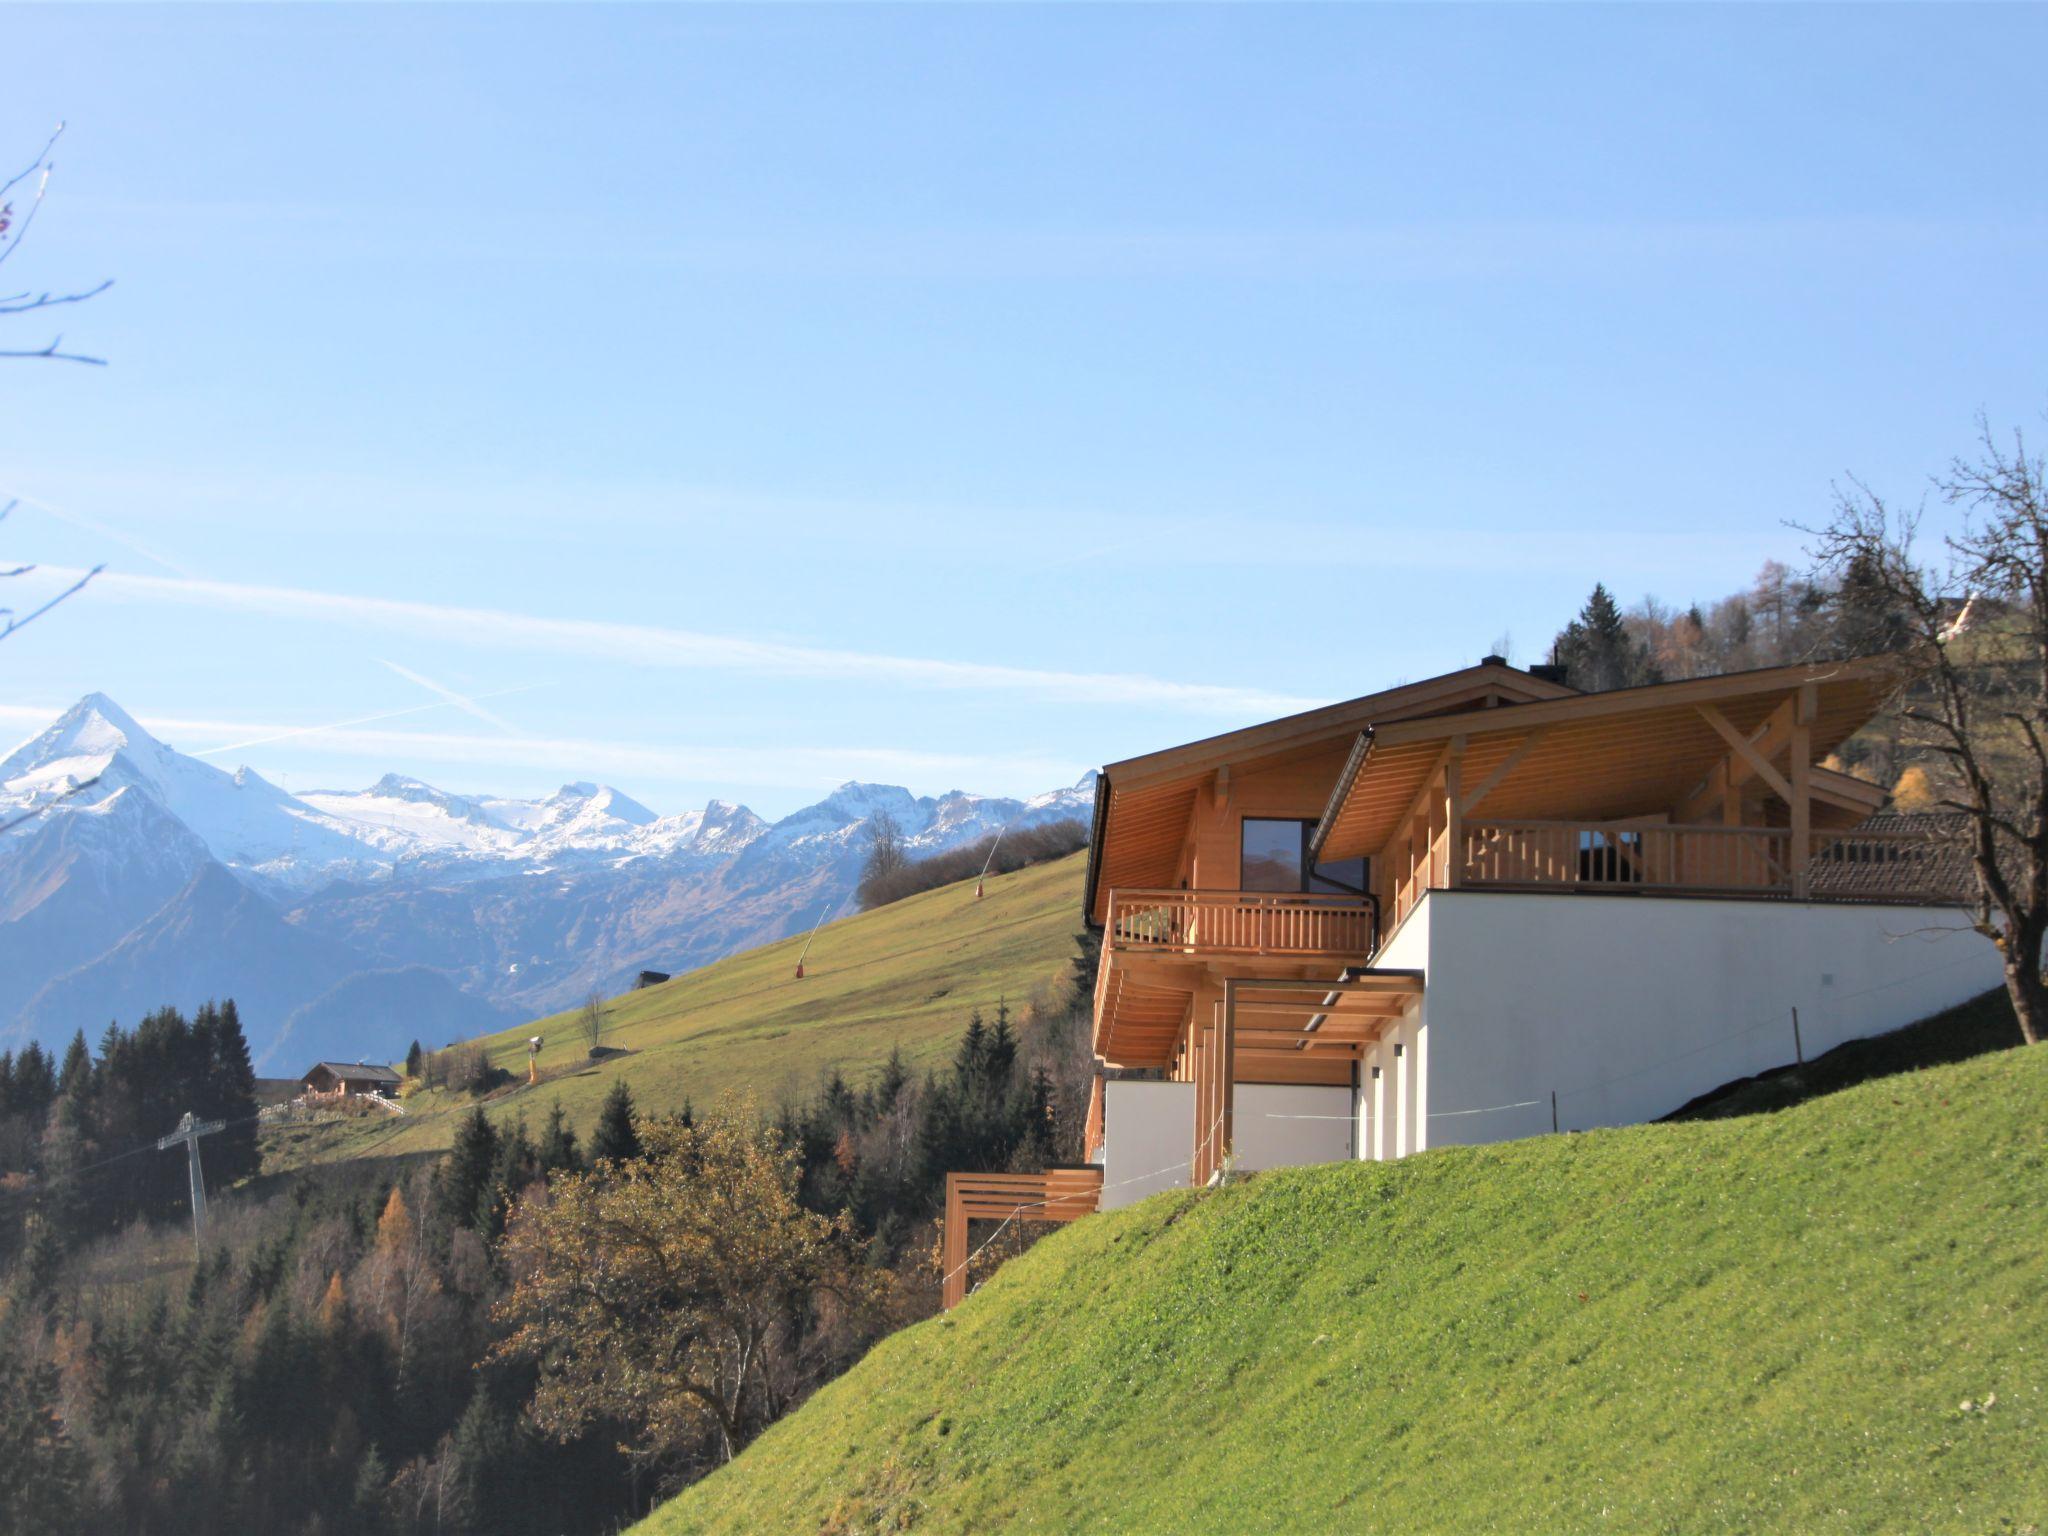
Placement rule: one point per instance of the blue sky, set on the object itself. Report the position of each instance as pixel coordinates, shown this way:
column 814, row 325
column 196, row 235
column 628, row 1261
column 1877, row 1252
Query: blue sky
column 747, row 399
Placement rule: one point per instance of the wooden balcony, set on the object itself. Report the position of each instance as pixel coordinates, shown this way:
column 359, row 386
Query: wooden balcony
column 1237, row 923
column 1661, row 858
column 1159, row 946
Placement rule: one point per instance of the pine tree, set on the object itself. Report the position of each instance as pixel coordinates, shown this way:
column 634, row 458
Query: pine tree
column 617, row 1137
column 516, row 1165
column 1597, row 651
column 43, row 1477
column 230, row 1095
column 466, row 1171
column 558, row 1144
column 412, row 1060
column 77, row 1063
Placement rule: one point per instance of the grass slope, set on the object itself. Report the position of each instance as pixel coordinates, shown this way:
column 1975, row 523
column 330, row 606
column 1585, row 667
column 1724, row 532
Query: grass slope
column 1762, row 1323
column 904, row 974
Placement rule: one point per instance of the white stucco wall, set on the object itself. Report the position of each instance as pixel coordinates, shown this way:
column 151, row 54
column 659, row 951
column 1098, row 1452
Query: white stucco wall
column 1627, row 1005
column 1146, row 1128
column 1276, row 1125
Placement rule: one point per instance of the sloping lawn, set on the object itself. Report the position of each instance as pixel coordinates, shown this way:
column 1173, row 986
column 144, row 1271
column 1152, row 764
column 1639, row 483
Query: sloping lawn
column 1828, row 1319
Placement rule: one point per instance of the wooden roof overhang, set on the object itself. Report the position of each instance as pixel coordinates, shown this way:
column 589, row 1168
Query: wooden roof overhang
column 1595, row 757
column 1143, row 805
column 1274, row 1019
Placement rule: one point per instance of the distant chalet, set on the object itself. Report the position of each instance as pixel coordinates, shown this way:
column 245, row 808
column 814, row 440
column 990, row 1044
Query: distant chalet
column 650, row 979
column 343, row 1077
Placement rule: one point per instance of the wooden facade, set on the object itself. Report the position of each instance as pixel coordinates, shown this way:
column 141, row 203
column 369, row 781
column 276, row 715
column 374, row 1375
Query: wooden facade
column 1485, row 779
column 339, row 1079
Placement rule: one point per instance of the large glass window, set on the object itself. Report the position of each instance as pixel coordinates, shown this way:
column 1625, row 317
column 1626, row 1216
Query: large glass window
column 1271, row 855
column 1274, row 857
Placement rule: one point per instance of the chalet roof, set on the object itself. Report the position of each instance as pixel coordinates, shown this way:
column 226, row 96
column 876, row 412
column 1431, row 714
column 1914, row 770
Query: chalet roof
column 1594, row 756
column 357, row 1071
column 1142, row 804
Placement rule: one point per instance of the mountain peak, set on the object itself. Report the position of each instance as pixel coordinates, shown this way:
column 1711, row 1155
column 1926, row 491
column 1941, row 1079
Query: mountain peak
column 79, row 743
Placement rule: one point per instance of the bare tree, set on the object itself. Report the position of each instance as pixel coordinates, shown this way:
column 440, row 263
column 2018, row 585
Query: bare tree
column 886, row 858
column 1972, row 634
column 590, row 1019
column 14, row 228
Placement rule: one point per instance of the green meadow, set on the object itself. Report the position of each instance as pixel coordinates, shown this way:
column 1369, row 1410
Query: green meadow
column 904, row 975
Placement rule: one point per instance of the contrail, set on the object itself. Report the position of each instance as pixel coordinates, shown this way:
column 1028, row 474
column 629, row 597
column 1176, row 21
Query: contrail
column 650, row 645
column 342, row 725
column 93, row 525
column 463, row 702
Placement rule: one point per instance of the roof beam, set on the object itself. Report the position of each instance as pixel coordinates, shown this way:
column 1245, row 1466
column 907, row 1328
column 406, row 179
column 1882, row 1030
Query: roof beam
column 1508, row 765
column 1746, row 749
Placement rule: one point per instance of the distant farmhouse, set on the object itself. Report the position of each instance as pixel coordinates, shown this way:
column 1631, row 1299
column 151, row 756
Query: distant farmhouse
column 650, row 979
column 341, row 1079
column 1486, row 906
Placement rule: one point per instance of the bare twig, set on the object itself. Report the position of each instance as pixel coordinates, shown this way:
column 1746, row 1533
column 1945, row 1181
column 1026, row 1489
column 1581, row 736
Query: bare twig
column 9, row 624
column 51, row 351
column 36, row 810
column 23, row 303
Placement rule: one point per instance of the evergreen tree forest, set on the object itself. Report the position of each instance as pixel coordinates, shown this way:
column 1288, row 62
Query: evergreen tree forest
column 359, row 1348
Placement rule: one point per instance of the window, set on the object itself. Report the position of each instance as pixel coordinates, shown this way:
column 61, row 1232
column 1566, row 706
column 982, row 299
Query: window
column 1273, row 854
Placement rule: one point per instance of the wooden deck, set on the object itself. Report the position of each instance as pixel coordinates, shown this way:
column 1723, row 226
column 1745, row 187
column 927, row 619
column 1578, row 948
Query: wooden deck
column 1058, row 1194
column 1658, row 858
column 1159, row 947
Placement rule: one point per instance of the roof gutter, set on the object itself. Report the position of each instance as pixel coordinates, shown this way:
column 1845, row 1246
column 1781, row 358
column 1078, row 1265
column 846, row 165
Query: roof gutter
column 1096, row 826
column 1348, row 776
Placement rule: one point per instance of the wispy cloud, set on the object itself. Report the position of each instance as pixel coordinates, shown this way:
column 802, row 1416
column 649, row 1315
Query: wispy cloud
column 772, row 767
column 656, row 646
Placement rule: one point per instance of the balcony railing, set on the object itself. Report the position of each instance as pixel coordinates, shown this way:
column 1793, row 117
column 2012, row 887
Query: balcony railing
column 1239, row 923
column 1701, row 860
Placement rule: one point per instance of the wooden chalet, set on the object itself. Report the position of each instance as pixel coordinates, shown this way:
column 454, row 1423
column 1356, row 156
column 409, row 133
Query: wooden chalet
column 1487, row 905
column 340, row 1079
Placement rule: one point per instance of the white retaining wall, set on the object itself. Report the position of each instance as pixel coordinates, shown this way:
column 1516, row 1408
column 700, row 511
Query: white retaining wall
column 1630, row 1006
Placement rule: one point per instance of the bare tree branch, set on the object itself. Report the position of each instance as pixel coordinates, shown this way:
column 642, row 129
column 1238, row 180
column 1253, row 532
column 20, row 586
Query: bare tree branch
column 9, row 624
column 36, row 810
column 23, row 303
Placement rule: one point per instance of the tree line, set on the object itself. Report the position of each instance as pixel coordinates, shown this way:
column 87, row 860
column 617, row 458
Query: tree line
column 76, row 1153
column 888, row 872
column 537, row 1332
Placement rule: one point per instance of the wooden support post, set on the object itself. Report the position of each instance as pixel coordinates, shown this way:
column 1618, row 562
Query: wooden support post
column 953, row 1248
column 1454, row 815
column 1226, row 1070
column 1801, row 851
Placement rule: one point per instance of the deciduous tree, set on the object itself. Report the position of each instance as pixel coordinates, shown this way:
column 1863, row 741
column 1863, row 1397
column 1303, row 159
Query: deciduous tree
column 680, row 1296
column 1970, row 622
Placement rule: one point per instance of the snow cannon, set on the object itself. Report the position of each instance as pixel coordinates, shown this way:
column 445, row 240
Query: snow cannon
column 533, row 1045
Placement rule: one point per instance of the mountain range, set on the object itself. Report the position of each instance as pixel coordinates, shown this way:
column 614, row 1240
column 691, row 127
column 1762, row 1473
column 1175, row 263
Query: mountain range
column 346, row 923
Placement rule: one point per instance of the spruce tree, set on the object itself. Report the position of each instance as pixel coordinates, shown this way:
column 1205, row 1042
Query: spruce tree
column 558, row 1152
column 617, row 1137
column 412, row 1060
column 466, row 1171
column 230, row 1095
column 1597, row 651
column 77, row 1062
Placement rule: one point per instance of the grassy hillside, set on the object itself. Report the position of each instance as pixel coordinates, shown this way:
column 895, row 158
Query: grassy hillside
column 1831, row 1318
column 905, row 974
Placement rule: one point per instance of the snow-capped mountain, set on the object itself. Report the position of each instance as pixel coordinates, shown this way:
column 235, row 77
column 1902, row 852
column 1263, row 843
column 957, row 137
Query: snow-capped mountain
column 95, row 755
column 359, row 919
